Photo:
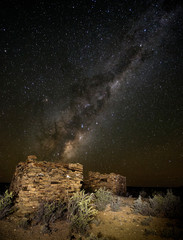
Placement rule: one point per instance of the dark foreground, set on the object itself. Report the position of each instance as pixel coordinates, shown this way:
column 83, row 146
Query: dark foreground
column 128, row 219
column 108, row 225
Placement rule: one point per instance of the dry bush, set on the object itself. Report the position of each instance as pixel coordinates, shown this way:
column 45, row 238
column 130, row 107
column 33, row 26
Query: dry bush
column 115, row 204
column 161, row 206
column 49, row 212
column 102, row 198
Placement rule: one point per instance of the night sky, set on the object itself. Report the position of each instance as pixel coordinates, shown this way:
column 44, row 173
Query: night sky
column 94, row 82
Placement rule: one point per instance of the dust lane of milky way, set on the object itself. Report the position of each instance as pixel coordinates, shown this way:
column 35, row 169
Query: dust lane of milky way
column 72, row 127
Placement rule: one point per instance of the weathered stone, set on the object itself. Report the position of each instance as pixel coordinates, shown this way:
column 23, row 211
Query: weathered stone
column 114, row 182
column 32, row 157
column 34, row 182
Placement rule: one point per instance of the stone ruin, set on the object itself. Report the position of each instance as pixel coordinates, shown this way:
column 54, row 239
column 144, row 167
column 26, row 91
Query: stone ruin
column 113, row 182
column 35, row 181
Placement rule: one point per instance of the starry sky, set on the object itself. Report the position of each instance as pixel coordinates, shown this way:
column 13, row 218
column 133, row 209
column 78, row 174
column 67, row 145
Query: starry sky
column 94, row 82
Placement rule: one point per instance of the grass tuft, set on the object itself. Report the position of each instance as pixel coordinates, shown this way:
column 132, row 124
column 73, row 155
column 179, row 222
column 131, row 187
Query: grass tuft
column 6, row 204
column 81, row 211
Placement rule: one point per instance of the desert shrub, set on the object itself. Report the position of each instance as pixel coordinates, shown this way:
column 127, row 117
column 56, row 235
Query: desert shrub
column 50, row 211
column 165, row 206
column 81, row 211
column 156, row 205
column 168, row 206
column 102, row 198
column 172, row 206
column 142, row 207
column 24, row 223
column 115, row 204
column 143, row 194
column 6, row 204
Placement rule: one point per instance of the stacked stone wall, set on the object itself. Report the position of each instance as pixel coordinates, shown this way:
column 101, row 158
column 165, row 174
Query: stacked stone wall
column 34, row 182
column 114, row 182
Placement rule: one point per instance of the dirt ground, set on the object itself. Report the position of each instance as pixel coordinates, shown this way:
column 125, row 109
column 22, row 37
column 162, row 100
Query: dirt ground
column 123, row 224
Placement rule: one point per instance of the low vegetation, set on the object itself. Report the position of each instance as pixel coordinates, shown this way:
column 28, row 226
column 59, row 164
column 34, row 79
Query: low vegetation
column 49, row 212
column 6, row 204
column 102, row 198
column 169, row 206
column 115, row 204
column 99, row 237
column 81, row 211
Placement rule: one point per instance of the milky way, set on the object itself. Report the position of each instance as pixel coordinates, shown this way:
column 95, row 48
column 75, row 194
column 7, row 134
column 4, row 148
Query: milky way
column 95, row 82
column 89, row 96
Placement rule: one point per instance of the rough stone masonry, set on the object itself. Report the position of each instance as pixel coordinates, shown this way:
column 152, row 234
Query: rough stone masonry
column 113, row 182
column 34, row 182
column 37, row 181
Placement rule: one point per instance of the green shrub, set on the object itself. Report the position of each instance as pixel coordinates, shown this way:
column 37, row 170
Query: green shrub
column 102, row 198
column 6, row 204
column 163, row 206
column 81, row 211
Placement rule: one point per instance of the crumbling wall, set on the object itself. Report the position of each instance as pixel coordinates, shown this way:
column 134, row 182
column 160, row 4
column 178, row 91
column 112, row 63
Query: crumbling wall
column 34, row 182
column 114, row 182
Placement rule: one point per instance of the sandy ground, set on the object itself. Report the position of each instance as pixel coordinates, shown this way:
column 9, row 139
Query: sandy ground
column 123, row 224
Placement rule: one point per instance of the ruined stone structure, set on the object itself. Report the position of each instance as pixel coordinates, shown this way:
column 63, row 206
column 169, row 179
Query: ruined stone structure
column 114, row 182
column 37, row 181
column 34, row 182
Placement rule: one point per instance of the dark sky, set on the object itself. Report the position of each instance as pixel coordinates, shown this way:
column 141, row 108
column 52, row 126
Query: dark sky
column 95, row 82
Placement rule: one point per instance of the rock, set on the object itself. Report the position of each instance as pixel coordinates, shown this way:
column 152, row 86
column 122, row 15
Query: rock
column 31, row 157
column 114, row 182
